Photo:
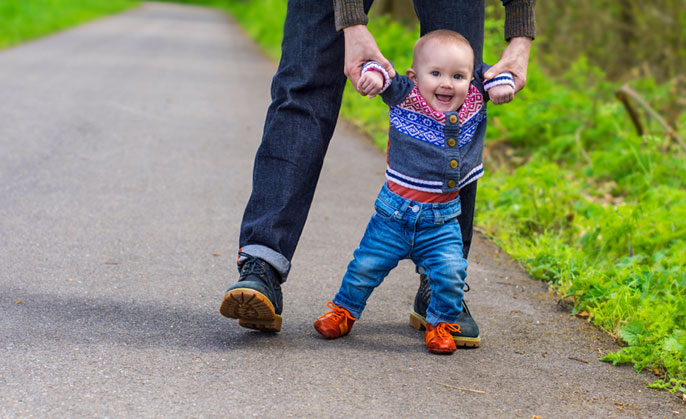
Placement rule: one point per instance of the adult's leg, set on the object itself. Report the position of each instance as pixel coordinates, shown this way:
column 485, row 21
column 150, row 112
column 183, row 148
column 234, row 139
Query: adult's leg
column 306, row 98
column 463, row 16
column 467, row 18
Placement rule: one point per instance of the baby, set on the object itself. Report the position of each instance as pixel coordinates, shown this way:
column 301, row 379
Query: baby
column 437, row 123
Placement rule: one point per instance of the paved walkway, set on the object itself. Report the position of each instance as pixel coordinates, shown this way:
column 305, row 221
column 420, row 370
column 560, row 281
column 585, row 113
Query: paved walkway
column 126, row 148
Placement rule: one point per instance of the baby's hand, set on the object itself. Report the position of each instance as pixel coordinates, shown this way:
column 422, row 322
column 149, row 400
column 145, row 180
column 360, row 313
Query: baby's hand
column 501, row 94
column 370, row 83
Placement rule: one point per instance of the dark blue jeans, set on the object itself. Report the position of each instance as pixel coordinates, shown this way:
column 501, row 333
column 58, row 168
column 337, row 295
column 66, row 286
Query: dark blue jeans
column 306, row 98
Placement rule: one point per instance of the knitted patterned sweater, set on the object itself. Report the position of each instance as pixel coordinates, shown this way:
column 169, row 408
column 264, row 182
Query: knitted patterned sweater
column 430, row 151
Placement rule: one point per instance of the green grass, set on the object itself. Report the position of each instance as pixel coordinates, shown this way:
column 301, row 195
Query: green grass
column 571, row 192
column 23, row 20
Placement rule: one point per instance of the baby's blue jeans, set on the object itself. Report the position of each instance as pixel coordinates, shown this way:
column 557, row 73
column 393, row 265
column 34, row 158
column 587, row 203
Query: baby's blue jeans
column 426, row 233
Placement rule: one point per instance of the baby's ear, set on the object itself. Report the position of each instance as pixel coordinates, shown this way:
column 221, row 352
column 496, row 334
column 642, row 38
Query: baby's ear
column 411, row 74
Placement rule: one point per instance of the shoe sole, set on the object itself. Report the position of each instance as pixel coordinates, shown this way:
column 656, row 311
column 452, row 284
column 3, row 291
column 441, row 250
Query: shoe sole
column 419, row 322
column 252, row 309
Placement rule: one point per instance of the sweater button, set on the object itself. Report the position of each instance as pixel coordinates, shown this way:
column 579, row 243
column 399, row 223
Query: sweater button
column 453, row 164
column 453, row 119
column 451, row 142
column 451, row 183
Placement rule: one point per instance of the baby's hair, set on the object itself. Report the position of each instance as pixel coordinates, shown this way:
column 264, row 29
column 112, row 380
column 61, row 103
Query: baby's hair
column 440, row 35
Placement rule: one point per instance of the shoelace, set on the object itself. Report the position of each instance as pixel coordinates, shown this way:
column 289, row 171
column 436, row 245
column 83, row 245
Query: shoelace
column 251, row 266
column 338, row 313
column 443, row 329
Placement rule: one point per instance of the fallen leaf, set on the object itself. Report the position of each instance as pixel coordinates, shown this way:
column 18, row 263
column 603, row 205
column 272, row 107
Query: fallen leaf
column 216, row 254
column 70, row 280
column 582, row 314
column 18, row 302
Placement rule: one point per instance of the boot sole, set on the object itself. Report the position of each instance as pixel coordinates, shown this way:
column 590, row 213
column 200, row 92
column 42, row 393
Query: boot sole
column 419, row 322
column 252, row 309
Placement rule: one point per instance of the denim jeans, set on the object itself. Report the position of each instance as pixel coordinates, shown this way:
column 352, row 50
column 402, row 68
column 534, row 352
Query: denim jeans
column 306, row 98
column 428, row 234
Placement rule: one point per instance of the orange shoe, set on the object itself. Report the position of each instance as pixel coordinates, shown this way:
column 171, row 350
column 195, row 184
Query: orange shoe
column 336, row 323
column 438, row 338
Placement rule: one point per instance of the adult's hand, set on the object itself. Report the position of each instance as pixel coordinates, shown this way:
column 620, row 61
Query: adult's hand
column 515, row 59
column 360, row 47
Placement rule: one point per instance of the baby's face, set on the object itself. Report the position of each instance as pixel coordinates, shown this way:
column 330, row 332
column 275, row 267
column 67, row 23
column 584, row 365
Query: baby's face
column 442, row 73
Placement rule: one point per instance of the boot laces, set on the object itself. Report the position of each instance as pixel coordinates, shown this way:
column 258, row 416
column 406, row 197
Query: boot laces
column 251, row 266
column 443, row 329
column 338, row 313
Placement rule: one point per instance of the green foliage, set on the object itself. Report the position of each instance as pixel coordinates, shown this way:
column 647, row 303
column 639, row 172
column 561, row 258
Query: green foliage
column 22, row 20
column 626, row 38
column 266, row 28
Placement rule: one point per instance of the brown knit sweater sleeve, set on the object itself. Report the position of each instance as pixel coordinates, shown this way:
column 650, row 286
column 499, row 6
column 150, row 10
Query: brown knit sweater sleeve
column 520, row 19
column 349, row 13
column 519, row 16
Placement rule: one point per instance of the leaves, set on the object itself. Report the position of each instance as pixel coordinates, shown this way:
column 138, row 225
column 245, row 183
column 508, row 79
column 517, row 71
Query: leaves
column 631, row 332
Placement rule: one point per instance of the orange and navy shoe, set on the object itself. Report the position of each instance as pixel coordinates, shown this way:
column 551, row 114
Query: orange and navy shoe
column 335, row 323
column 468, row 335
column 438, row 338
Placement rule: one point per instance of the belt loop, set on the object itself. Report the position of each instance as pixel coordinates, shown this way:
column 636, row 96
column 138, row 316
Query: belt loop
column 404, row 205
column 438, row 217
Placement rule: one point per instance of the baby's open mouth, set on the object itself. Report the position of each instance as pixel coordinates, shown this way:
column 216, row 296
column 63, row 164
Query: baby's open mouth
column 444, row 98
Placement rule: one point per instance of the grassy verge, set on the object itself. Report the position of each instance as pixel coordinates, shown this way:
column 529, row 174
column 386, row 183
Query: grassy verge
column 23, row 20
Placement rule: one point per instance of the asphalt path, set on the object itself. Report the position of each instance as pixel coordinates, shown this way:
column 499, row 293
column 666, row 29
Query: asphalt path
column 126, row 148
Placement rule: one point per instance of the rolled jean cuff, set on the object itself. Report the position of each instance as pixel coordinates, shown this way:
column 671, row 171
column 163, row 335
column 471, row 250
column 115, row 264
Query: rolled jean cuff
column 435, row 318
column 272, row 257
column 354, row 309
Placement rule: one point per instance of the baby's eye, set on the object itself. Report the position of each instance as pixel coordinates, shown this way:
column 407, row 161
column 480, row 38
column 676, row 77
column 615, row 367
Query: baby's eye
column 458, row 76
column 435, row 73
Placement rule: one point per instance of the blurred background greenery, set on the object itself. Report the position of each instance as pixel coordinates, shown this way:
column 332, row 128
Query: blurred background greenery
column 586, row 169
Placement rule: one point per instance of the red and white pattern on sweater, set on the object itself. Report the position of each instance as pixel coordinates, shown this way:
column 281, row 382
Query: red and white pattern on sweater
column 415, row 102
column 472, row 104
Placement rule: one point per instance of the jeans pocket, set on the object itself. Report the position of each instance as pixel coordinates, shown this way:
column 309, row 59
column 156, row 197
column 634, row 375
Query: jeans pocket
column 383, row 212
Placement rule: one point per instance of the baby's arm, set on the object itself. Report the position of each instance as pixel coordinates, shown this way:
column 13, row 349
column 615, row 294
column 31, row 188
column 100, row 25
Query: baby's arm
column 501, row 88
column 374, row 79
column 370, row 83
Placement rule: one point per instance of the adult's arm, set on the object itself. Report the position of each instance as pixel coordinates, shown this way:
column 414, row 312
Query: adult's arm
column 520, row 19
column 349, row 13
column 360, row 46
column 520, row 30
